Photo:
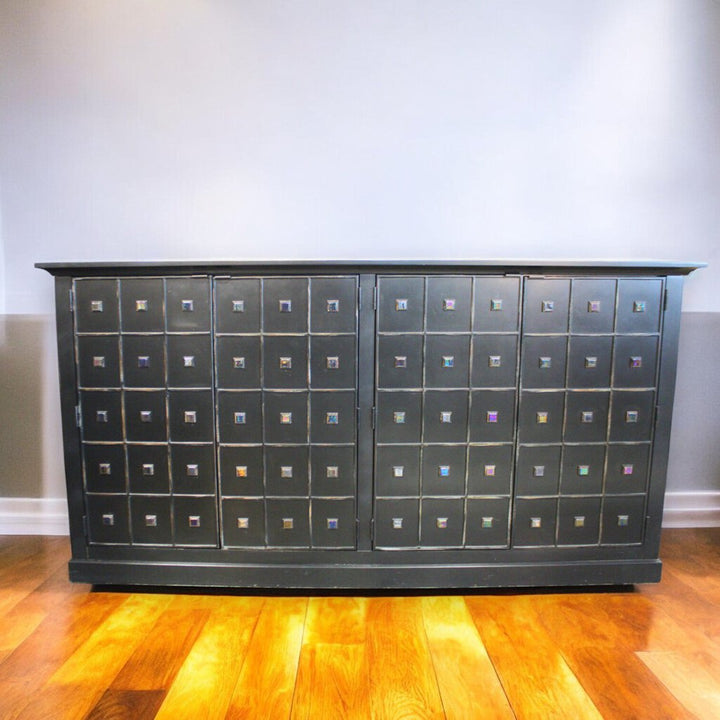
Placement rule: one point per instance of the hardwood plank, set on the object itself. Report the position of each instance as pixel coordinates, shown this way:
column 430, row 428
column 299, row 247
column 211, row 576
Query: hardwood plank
column 24, row 672
column 466, row 677
column 204, row 685
column 81, row 680
column 402, row 681
column 336, row 620
column 693, row 678
column 127, row 705
column 267, row 680
column 332, row 682
column 536, row 678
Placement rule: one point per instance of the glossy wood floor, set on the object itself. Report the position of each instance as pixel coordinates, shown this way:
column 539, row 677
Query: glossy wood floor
column 69, row 652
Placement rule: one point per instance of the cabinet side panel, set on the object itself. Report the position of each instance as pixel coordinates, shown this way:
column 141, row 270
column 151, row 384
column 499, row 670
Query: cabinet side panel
column 68, row 403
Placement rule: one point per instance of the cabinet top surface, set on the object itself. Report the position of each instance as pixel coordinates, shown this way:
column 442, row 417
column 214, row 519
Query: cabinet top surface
column 253, row 267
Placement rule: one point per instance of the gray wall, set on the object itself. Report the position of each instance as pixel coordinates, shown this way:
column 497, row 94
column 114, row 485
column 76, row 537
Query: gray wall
column 342, row 129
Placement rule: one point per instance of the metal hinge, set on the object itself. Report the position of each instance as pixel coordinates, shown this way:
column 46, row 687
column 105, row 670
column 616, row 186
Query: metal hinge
column 78, row 416
column 665, row 300
column 373, row 416
column 71, row 300
column 375, row 298
column 359, row 297
column 86, row 527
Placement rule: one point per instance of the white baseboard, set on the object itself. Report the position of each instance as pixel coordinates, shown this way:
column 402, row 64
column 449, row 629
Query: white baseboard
column 33, row 516
column 692, row 509
column 48, row 516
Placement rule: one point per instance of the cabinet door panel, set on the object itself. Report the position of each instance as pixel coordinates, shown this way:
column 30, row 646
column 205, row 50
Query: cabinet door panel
column 96, row 306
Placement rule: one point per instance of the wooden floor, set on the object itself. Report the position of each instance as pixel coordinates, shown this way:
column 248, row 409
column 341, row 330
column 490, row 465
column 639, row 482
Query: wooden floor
column 67, row 651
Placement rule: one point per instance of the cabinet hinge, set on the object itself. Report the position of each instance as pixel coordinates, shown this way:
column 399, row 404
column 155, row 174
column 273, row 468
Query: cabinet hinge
column 78, row 416
column 375, row 298
column 359, row 297
column 373, row 416
column 665, row 300
column 86, row 528
column 71, row 300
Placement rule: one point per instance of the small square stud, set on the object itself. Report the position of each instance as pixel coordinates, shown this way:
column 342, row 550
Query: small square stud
column 332, row 523
column 579, row 521
column 591, row 362
column 487, row 522
column 192, row 470
column 494, row 361
column 333, row 306
column 332, row 472
column 398, row 471
column 190, row 417
column 101, row 416
column 587, row 416
column 332, row 418
column 628, row 469
column 444, row 470
column 593, row 306
column 108, row 519
column 400, row 361
column 148, row 469
column 285, row 306
column 286, row 363
column 448, row 304
column 286, row 471
column 538, row 471
column 238, row 306
column 636, row 361
column 146, row 416
column 143, row 361
column 583, row 470
column 243, row 523
column 623, row 520
column 288, row 523
column 286, row 418
column 194, row 521
column 189, row 361
column 441, row 523
column 141, row 306
column 401, row 304
column 445, row 416
column 548, row 305
column 241, row 471
column 240, row 418
column 399, row 417
column 104, row 469
column 332, row 362
column 535, row 522
column 545, row 362
column 239, row 363
column 492, row 416
column 96, row 306
column 490, row 470
column 632, row 416
column 151, row 521
column 448, row 361
column 496, row 304
column 187, row 305
column 541, row 418
column 99, row 361
column 397, row 523
column 639, row 306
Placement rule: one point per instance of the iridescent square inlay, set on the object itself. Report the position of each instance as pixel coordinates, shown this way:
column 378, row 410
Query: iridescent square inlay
column 238, row 306
column 583, row 470
column 401, row 304
column 594, row 306
column 143, row 361
column 441, row 523
column 286, row 363
column 104, row 469
column 241, row 471
column 192, row 470
column 239, row 363
column 187, row 305
column 141, row 306
column 332, row 418
column 587, row 416
column 398, row 471
column 494, row 361
column 146, row 416
column 623, row 520
column 548, row 305
column 445, row 416
column 99, row 361
column 444, row 470
column 286, row 418
column 101, row 416
column 285, row 306
column 628, row 469
column 636, row 361
column 538, row 471
column 448, row 304
column 332, row 362
column 448, row 361
column 240, row 418
column 332, row 471
column 108, row 519
column 639, row 306
column 243, row 523
column 333, row 306
column 545, row 362
column 535, row 522
column 591, row 362
column 491, row 416
column 96, row 306
column 188, row 361
column 194, row 521
column 579, row 521
column 286, row 471
column 151, row 521
column 632, row 416
column 541, row 418
column 190, row 417
column 399, row 417
column 148, row 469
column 332, row 523
column 400, row 361
column 490, row 470
column 397, row 523
column 288, row 523
column 487, row 522
column 496, row 304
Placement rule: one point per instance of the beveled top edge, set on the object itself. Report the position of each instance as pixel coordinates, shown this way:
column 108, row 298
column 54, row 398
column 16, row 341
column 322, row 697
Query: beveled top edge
column 247, row 267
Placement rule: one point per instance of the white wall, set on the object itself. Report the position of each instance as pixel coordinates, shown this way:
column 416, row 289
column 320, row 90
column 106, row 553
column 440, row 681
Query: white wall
column 337, row 128
column 175, row 129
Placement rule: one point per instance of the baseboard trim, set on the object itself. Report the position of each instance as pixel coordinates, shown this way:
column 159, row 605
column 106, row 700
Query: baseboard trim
column 692, row 509
column 48, row 516
column 34, row 516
